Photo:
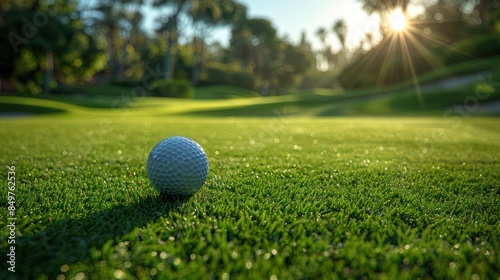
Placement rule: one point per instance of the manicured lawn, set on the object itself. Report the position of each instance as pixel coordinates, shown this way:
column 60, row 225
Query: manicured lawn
column 286, row 198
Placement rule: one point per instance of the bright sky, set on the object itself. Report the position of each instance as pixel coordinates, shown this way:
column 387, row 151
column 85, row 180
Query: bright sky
column 294, row 16
column 291, row 17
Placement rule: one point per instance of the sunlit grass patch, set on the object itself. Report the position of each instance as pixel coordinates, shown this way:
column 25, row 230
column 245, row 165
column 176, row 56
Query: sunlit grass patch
column 294, row 198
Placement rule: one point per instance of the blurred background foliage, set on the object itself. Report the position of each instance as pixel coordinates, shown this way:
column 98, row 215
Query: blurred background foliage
column 54, row 46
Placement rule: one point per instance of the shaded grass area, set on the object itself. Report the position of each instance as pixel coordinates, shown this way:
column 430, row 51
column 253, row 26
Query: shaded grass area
column 464, row 100
column 294, row 198
column 12, row 104
column 477, row 66
column 113, row 96
column 7, row 108
column 93, row 101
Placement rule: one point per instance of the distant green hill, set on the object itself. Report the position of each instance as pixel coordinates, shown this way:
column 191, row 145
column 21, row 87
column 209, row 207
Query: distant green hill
column 401, row 59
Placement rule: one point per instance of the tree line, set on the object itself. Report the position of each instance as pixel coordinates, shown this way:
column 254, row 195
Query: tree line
column 46, row 46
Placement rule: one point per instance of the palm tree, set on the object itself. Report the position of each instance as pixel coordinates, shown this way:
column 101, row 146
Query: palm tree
column 304, row 43
column 369, row 39
column 340, row 29
column 120, row 22
column 134, row 19
column 324, row 54
column 322, row 33
column 210, row 12
column 204, row 18
column 170, row 27
column 110, row 21
column 331, row 57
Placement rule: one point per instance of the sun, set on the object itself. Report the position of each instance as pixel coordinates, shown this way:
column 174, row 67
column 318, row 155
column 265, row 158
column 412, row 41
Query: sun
column 397, row 20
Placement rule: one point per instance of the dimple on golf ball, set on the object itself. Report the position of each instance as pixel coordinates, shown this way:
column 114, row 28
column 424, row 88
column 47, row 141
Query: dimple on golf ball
column 177, row 166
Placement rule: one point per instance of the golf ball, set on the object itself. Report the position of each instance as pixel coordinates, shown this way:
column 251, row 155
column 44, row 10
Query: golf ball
column 177, row 166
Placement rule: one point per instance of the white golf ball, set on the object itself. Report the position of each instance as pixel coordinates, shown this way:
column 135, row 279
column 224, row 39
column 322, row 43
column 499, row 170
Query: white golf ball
column 177, row 166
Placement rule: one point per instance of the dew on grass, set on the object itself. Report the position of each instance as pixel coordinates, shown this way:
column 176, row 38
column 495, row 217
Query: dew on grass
column 127, row 264
column 79, row 276
column 64, row 268
column 118, row 274
column 248, row 264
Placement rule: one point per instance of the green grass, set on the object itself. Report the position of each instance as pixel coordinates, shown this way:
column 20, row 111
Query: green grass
column 475, row 66
column 308, row 103
column 113, row 96
column 291, row 197
column 223, row 92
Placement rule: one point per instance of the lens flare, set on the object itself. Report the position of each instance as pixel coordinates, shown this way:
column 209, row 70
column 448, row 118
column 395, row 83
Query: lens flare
column 397, row 20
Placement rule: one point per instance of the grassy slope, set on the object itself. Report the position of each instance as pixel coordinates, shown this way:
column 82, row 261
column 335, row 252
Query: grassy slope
column 462, row 68
column 402, row 99
column 295, row 198
column 310, row 103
